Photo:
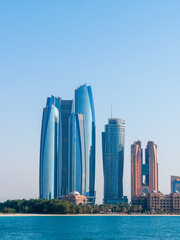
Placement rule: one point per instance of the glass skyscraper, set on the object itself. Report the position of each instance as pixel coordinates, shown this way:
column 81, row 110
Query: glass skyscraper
column 66, row 111
column 113, row 140
column 50, row 149
column 67, row 152
column 85, row 142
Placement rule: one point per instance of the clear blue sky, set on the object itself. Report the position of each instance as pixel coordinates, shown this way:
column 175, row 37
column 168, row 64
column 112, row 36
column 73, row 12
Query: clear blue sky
column 127, row 50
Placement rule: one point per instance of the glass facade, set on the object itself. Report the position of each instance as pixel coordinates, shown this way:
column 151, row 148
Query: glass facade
column 173, row 178
column 113, row 140
column 50, row 149
column 176, row 185
column 66, row 111
column 80, row 155
column 84, row 106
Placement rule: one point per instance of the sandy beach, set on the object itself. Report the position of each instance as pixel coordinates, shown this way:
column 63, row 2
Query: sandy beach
column 90, row 215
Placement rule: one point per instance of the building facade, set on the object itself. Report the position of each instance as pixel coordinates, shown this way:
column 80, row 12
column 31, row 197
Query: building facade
column 84, row 130
column 175, row 186
column 76, row 198
column 163, row 202
column 50, row 150
column 64, row 174
column 140, row 201
column 78, row 154
column 144, row 174
column 158, row 202
column 136, row 169
column 113, row 140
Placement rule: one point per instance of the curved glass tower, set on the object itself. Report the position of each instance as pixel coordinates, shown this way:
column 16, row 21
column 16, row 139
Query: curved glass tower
column 50, row 148
column 113, row 140
column 85, row 140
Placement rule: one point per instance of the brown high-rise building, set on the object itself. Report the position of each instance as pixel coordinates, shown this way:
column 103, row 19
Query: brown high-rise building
column 144, row 174
column 136, row 169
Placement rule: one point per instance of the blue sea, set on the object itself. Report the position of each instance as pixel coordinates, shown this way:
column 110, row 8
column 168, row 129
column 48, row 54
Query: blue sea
column 90, row 227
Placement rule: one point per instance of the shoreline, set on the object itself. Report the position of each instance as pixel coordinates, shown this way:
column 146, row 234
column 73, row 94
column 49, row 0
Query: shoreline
column 87, row 215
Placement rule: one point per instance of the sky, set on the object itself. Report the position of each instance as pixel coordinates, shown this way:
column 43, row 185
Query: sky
column 128, row 51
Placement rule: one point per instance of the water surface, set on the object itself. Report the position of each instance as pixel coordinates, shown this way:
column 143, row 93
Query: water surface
column 90, row 227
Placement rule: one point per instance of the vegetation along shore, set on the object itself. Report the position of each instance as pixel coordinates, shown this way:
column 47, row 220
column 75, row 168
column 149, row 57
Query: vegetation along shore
column 55, row 206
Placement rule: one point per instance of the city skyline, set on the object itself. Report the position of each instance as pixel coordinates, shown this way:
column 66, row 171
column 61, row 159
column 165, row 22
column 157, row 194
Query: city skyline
column 127, row 51
column 66, row 165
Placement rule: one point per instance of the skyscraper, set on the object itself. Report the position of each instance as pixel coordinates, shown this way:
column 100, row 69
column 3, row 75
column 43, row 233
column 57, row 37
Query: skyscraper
column 144, row 175
column 85, row 142
column 136, row 169
column 66, row 111
column 113, row 139
column 50, row 149
column 67, row 152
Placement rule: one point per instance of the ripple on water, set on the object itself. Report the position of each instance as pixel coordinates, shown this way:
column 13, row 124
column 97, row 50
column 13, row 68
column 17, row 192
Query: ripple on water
column 89, row 227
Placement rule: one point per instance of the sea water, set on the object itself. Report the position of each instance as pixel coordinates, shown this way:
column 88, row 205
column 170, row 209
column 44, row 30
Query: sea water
column 89, row 227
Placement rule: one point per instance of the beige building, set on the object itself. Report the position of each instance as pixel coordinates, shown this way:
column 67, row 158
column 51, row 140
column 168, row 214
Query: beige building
column 157, row 201
column 165, row 202
column 76, row 198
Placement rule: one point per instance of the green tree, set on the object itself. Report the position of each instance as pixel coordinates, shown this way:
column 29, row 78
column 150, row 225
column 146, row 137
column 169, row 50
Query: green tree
column 135, row 208
column 139, row 208
column 8, row 210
